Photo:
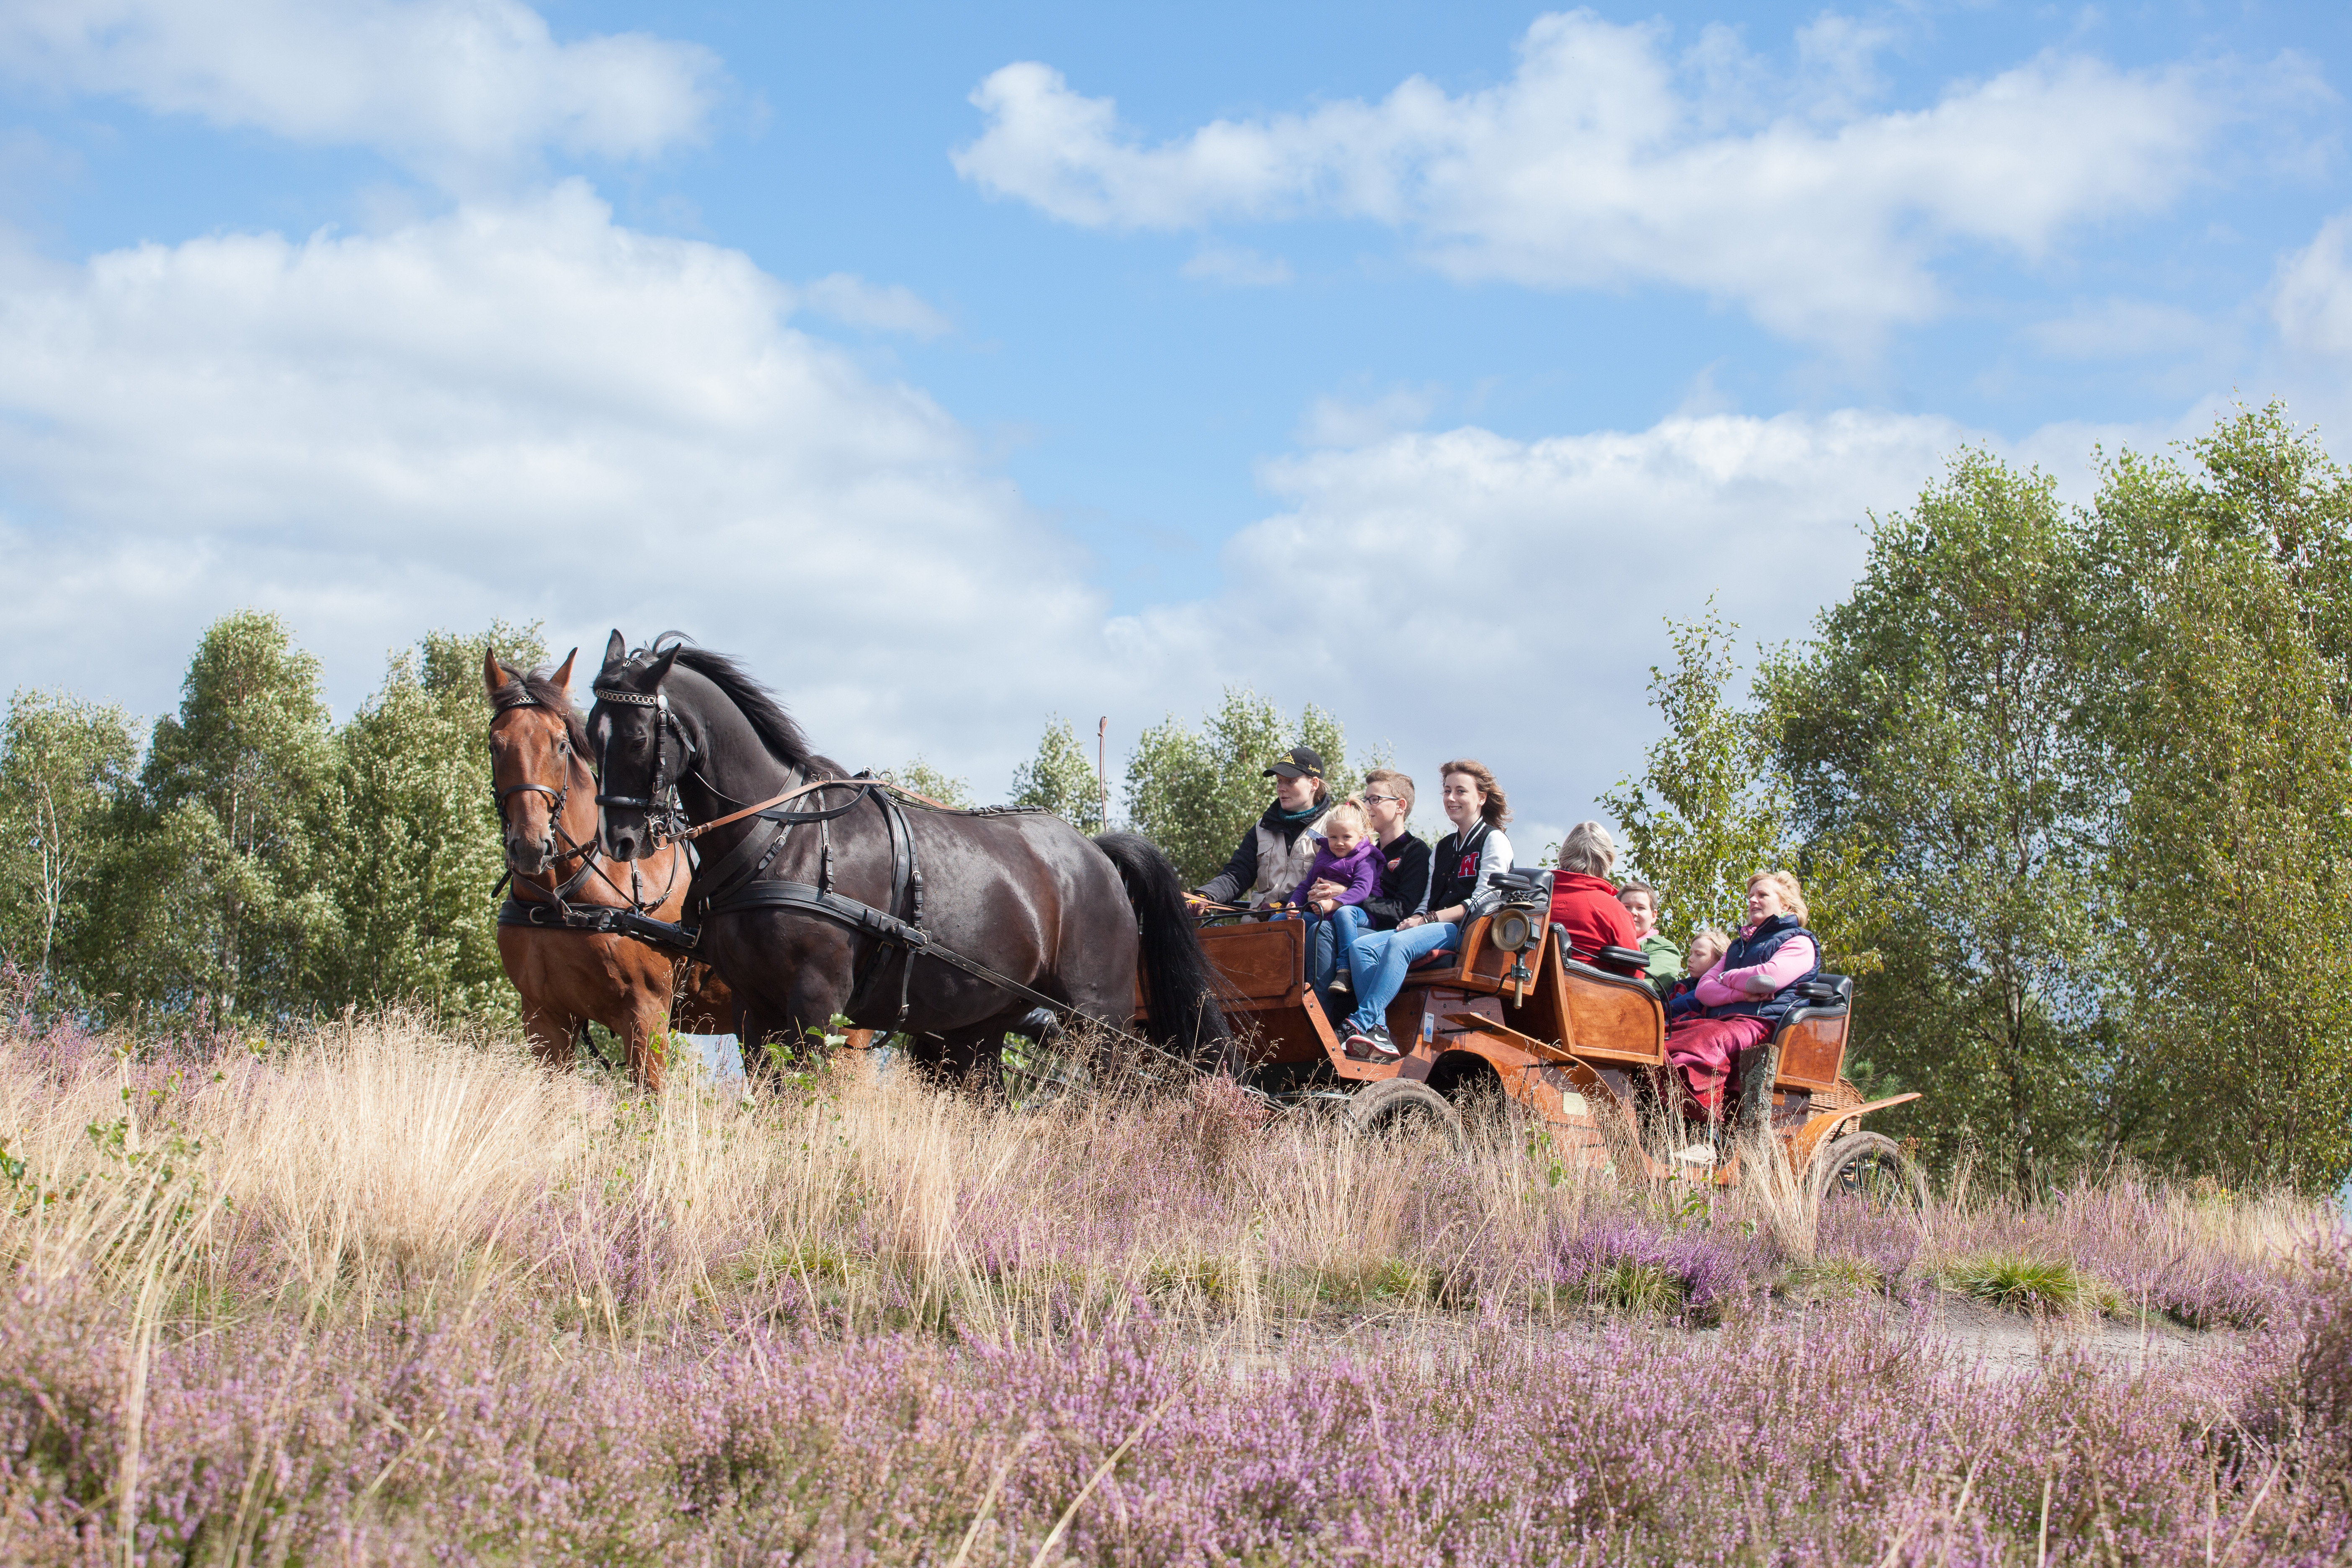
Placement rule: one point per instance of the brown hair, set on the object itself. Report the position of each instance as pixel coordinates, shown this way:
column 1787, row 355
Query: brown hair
column 1399, row 784
column 1792, row 897
column 1496, row 810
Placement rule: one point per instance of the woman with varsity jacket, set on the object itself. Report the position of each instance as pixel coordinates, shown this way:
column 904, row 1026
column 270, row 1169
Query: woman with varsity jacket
column 1458, row 893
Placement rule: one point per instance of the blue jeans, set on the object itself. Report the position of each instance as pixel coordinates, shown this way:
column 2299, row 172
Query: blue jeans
column 1379, row 958
column 1331, row 936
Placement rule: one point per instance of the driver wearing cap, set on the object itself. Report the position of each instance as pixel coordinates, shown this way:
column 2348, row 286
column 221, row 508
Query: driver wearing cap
column 1274, row 854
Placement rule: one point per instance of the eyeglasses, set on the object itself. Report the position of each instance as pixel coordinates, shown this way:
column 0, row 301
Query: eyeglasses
column 1382, row 799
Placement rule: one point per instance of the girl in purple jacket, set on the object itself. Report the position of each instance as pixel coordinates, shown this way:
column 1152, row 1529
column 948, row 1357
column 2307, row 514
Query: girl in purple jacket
column 1349, row 856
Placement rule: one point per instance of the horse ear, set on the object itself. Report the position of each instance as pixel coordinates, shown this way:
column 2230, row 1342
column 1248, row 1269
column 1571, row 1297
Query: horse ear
column 661, row 667
column 493, row 677
column 563, row 673
column 616, row 649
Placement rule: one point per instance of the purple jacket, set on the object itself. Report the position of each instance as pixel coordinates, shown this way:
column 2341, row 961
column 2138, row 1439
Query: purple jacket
column 1360, row 871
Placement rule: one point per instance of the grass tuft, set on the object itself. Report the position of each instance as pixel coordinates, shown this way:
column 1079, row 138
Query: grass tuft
column 1626, row 1286
column 2023, row 1282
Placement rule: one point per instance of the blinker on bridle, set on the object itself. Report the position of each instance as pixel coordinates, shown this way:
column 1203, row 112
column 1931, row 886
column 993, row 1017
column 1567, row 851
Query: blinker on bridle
column 659, row 801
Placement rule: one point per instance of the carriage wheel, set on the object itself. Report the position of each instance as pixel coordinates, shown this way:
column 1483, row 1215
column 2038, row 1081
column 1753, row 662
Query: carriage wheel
column 1867, row 1170
column 1398, row 1105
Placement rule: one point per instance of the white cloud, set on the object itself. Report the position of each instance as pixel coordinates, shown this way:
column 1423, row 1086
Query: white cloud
column 1338, row 422
column 519, row 410
column 462, row 90
column 525, row 410
column 1464, row 592
column 1237, row 267
column 1594, row 166
column 891, row 308
column 2313, row 302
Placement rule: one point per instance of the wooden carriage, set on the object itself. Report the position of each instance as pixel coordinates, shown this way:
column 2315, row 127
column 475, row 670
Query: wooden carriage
column 1583, row 1049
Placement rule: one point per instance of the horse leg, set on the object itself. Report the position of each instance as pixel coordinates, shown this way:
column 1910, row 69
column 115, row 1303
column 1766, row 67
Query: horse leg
column 550, row 1031
column 972, row 1058
column 774, row 1037
column 646, row 1031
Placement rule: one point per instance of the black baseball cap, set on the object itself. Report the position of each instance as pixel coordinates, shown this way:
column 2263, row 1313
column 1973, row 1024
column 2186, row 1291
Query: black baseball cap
column 1302, row 763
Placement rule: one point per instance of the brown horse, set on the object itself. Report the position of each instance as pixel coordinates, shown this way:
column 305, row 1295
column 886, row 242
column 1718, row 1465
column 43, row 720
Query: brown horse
column 547, row 809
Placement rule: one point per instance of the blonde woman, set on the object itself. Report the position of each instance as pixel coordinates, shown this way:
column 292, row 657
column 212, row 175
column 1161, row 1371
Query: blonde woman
column 1744, row 993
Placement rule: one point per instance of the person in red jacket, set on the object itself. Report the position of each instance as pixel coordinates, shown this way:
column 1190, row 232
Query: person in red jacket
column 1584, row 901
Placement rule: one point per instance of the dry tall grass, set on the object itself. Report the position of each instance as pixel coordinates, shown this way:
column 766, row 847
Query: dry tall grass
column 383, row 1293
column 383, row 1166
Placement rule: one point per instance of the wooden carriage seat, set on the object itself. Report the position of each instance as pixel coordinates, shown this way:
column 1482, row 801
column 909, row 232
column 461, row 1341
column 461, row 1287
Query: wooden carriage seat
column 1600, row 1015
column 1803, row 1056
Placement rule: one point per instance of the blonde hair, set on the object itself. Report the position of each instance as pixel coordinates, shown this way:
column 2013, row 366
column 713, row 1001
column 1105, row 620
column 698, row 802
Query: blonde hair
column 1399, row 784
column 1496, row 810
column 1792, row 897
column 1717, row 942
column 1349, row 811
column 1588, row 848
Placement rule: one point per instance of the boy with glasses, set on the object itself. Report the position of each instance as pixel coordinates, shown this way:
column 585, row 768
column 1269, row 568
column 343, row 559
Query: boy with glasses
column 1404, row 880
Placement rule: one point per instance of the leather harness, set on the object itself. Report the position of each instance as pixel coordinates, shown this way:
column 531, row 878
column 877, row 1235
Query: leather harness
column 733, row 883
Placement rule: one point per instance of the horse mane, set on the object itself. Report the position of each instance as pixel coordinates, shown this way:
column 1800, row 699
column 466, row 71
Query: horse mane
column 777, row 730
column 536, row 688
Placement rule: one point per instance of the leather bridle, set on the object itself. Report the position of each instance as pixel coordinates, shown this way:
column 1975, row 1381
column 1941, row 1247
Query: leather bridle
column 566, row 848
column 665, row 818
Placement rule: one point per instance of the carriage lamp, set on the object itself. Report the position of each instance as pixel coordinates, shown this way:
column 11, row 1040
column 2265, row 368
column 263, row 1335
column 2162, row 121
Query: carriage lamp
column 1513, row 930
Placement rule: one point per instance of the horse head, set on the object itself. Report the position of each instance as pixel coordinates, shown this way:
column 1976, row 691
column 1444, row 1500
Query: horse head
column 532, row 736
column 642, row 749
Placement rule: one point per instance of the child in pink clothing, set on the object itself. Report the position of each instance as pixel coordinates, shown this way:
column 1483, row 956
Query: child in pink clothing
column 1746, row 992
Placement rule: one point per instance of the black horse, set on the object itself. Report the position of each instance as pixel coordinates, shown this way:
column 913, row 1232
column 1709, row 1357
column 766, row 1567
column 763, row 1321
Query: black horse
column 820, row 907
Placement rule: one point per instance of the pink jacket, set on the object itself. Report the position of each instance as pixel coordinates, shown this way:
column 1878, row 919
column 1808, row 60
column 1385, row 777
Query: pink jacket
column 1719, row 988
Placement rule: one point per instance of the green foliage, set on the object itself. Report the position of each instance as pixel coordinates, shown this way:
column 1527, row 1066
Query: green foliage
column 1952, row 795
column 1194, row 793
column 2223, row 590
column 414, row 836
column 1707, row 809
column 216, row 894
column 1061, row 778
column 924, row 779
column 67, row 772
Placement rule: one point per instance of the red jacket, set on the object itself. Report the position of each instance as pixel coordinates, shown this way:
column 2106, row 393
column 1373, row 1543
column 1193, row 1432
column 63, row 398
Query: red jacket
column 1589, row 915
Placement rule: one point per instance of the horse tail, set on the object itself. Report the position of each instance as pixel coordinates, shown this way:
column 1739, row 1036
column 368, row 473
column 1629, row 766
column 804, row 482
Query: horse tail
column 1185, row 1018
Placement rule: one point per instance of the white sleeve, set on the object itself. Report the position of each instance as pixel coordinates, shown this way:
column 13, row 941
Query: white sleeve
column 1494, row 856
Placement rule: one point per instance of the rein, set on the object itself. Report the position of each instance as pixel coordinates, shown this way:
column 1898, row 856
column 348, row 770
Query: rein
column 774, row 801
column 734, row 883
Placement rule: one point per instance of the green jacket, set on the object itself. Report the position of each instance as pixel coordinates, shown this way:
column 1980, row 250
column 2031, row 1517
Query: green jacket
column 1665, row 962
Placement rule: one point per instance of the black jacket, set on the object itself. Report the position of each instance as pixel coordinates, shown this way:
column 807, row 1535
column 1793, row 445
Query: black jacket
column 1404, row 882
column 1240, row 874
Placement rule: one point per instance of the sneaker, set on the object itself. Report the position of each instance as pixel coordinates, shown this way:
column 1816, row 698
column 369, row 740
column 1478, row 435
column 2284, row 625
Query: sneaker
column 1699, row 1153
column 1340, row 984
column 1378, row 1038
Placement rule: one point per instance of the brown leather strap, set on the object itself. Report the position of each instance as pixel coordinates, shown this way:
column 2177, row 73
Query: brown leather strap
column 806, row 788
column 700, row 830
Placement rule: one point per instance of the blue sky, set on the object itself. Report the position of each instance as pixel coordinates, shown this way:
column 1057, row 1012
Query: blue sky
column 959, row 365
